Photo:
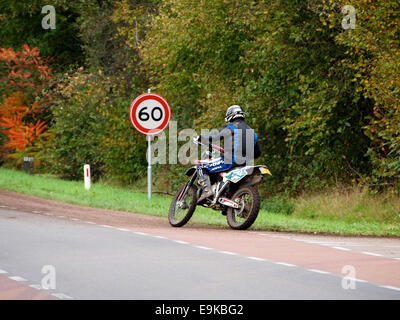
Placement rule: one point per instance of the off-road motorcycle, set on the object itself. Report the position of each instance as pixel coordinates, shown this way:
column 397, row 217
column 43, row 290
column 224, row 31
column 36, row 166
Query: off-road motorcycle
column 235, row 193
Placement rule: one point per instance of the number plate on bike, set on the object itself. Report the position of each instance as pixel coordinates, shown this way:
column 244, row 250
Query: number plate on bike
column 236, row 175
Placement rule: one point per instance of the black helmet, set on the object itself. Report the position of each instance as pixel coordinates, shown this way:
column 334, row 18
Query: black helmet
column 234, row 112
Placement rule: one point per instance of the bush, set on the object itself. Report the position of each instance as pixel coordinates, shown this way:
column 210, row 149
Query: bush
column 92, row 126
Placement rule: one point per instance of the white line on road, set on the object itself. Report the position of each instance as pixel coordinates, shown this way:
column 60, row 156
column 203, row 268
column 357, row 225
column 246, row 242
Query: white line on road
column 341, row 248
column 141, row 233
column 355, row 279
column 256, row 258
column 180, row 241
column 75, row 219
column 318, row 271
column 122, row 229
column 36, row 286
column 285, row 264
column 61, row 296
column 372, row 254
column 16, row 278
column 3, row 271
column 160, row 237
column 201, row 247
column 228, row 252
column 362, row 281
column 105, row 226
column 391, row 288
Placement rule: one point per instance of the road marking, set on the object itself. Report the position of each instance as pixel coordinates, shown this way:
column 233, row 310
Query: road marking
column 341, row 248
column 180, row 241
column 160, row 237
column 372, row 254
column 61, row 296
column 228, row 252
column 318, row 271
column 105, row 226
column 36, row 286
column 325, row 243
column 36, row 212
column 396, row 258
column 362, row 281
column 89, row 222
column 201, row 247
column 75, row 219
column 285, row 264
column 391, row 288
column 255, row 258
column 141, row 233
column 3, row 271
column 16, row 278
column 122, row 229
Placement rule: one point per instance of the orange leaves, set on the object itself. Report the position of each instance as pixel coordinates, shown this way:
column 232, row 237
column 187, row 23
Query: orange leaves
column 20, row 135
column 25, row 68
column 23, row 75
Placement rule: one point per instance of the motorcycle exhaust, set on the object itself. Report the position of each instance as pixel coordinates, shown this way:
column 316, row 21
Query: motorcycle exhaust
column 228, row 203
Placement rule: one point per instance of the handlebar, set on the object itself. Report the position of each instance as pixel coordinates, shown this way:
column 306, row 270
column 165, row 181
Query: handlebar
column 213, row 146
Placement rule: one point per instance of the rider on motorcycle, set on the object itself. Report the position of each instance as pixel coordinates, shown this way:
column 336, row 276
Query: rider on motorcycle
column 241, row 147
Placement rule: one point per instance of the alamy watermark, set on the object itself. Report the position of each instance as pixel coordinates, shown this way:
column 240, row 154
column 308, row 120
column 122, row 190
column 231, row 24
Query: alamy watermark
column 349, row 20
column 49, row 279
column 238, row 147
column 349, row 280
column 49, row 20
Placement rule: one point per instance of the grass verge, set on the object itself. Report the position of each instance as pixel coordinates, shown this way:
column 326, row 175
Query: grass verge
column 333, row 213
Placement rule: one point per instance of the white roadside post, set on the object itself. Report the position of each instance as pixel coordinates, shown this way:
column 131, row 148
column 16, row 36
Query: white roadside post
column 149, row 114
column 86, row 173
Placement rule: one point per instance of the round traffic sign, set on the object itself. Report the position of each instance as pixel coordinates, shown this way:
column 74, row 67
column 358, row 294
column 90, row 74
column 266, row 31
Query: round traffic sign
column 150, row 113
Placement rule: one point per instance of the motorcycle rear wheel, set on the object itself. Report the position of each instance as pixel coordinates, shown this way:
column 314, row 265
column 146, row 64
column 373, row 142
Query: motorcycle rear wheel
column 181, row 211
column 249, row 200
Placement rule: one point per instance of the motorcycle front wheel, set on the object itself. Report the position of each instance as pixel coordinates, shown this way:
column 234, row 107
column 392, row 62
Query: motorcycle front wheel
column 248, row 199
column 181, row 211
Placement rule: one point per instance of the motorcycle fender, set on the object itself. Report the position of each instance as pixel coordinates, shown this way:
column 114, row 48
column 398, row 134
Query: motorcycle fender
column 252, row 180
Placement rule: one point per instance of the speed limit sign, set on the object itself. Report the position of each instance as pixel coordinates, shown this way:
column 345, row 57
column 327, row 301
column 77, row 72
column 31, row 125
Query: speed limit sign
column 150, row 113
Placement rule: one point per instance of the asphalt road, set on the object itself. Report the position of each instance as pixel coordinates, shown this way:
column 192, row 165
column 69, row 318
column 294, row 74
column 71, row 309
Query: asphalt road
column 92, row 261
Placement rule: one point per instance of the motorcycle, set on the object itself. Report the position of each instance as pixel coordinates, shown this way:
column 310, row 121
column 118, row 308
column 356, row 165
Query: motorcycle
column 235, row 193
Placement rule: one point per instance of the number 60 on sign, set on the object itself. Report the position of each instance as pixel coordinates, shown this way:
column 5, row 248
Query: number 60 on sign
column 150, row 113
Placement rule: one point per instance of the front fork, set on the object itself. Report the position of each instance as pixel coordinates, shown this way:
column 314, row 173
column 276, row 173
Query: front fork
column 187, row 186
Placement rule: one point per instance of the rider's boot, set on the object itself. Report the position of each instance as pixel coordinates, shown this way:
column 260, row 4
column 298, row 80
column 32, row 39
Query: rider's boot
column 205, row 183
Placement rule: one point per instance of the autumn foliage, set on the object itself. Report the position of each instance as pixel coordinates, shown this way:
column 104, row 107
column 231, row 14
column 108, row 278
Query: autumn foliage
column 22, row 76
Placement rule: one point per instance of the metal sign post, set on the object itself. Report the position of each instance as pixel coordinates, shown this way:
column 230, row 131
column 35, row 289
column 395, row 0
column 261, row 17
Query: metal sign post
column 149, row 167
column 149, row 180
column 149, row 114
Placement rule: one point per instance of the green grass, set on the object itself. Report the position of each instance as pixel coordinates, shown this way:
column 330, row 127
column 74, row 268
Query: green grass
column 355, row 213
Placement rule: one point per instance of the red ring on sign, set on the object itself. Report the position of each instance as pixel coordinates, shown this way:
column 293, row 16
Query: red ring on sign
column 138, row 101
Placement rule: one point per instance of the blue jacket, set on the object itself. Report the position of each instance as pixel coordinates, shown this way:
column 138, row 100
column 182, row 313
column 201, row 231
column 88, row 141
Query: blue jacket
column 240, row 142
